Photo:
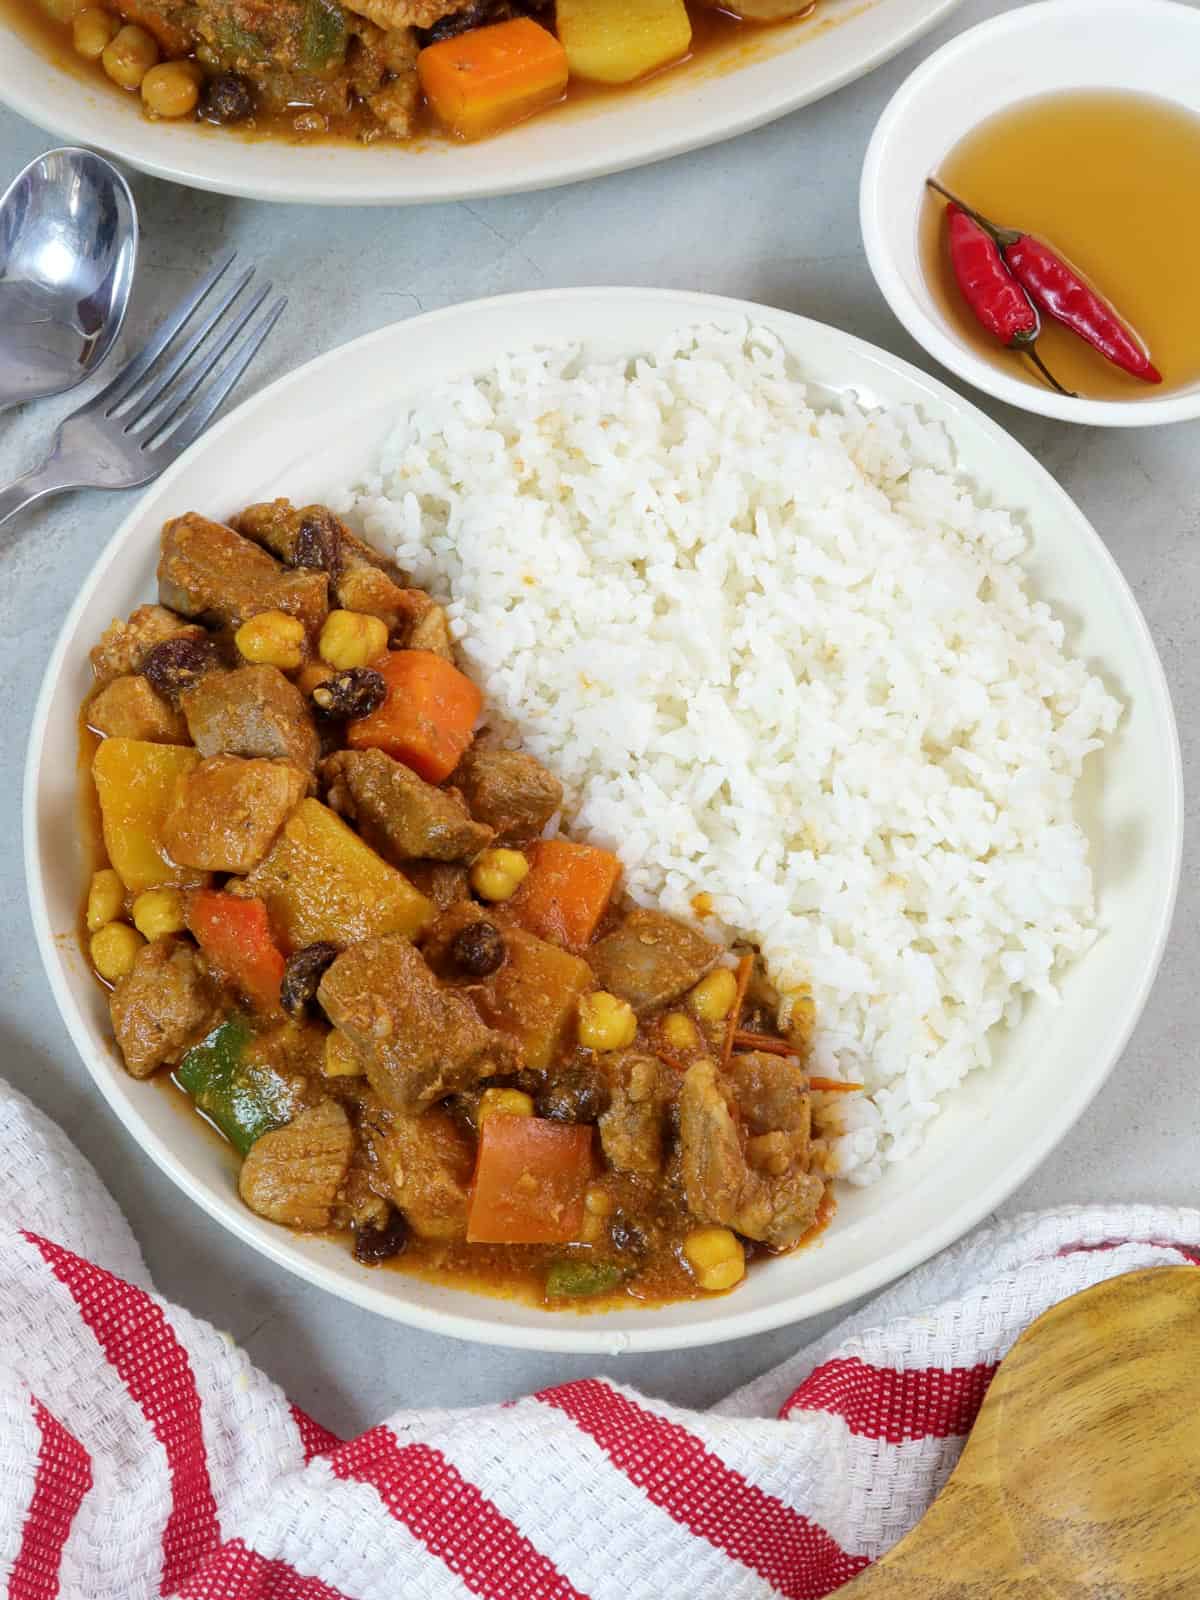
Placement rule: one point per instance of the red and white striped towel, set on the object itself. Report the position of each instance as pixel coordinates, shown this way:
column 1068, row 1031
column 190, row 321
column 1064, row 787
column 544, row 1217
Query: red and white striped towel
column 141, row 1453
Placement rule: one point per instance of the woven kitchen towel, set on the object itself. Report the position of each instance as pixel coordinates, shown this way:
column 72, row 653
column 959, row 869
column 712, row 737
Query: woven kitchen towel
column 141, row 1454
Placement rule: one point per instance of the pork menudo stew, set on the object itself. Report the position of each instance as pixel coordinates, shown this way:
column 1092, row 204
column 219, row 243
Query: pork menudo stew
column 348, row 929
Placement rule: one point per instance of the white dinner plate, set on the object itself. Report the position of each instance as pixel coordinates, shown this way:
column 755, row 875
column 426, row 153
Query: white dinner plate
column 316, row 430
column 780, row 69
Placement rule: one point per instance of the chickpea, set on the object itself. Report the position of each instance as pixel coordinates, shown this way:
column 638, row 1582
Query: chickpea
column 713, row 997
column 106, row 898
column 157, row 912
column 92, row 31
column 172, row 89
column 680, row 1031
column 498, row 874
column 341, row 1059
column 606, row 1023
column 716, row 1258
column 129, row 55
column 503, row 1102
column 114, row 949
column 62, row 10
column 272, row 639
column 598, row 1206
column 352, row 639
column 312, row 675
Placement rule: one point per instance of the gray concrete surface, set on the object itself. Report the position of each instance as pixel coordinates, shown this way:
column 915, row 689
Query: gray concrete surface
column 773, row 217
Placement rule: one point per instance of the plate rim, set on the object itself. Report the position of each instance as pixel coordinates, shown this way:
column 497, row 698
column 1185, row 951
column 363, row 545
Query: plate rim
column 578, row 1335
column 313, row 190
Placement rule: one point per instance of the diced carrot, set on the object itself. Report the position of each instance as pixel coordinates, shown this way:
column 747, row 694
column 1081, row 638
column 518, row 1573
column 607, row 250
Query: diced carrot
column 488, row 78
column 567, row 890
column 235, row 935
column 530, row 1180
column 428, row 717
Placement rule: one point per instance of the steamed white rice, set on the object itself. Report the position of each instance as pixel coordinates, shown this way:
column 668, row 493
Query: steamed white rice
column 781, row 655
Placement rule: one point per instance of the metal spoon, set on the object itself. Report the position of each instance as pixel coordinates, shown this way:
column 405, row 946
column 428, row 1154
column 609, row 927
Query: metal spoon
column 68, row 243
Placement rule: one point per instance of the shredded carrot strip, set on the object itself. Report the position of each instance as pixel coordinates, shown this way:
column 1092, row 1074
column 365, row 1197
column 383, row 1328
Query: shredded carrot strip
column 745, row 1039
column 744, row 968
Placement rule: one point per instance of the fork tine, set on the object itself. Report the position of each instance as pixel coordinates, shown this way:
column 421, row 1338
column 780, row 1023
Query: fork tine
column 174, row 405
column 157, row 382
column 194, row 421
column 137, row 366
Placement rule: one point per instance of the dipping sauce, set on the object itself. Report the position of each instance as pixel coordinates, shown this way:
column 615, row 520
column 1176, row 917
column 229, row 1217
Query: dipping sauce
column 1109, row 178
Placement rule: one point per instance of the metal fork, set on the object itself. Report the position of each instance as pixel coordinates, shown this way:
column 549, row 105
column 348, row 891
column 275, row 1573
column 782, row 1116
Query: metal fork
column 162, row 399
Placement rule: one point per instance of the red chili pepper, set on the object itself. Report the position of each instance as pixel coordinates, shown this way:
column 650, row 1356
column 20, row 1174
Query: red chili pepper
column 1062, row 292
column 989, row 288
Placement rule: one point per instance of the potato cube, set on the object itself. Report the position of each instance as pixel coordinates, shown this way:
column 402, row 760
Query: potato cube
column 322, row 883
column 616, row 41
column 535, row 994
column 135, row 783
column 128, row 708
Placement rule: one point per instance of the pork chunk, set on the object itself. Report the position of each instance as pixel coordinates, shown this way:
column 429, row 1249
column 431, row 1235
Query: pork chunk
column 124, row 646
column 207, row 570
column 418, row 1040
column 292, row 1174
column 431, row 631
column 754, row 1179
column 164, row 1007
column 631, row 1130
column 651, row 959
column 423, row 1166
column 227, row 812
column 406, row 13
column 312, row 537
column 398, row 813
column 251, row 711
column 443, row 882
column 128, row 708
column 509, row 791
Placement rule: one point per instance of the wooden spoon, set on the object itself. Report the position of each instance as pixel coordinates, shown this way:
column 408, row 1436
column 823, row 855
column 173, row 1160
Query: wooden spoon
column 1081, row 1477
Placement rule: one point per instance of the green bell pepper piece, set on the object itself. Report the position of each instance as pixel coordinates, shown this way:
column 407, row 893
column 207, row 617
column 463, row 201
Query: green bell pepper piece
column 574, row 1280
column 237, row 44
column 322, row 35
column 235, row 1094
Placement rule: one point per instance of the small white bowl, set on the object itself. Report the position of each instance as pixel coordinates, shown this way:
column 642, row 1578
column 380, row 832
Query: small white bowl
column 1151, row 46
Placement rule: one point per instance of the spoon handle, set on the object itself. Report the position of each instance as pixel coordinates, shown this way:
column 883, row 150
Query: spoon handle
column 46, row 479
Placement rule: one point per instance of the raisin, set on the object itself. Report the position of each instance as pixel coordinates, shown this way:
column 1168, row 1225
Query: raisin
column 301, row 976
column 174, row 665
column 479, row 15
column 626, row 1236
column 354, row 693
column 319, row 542
column 373, row 1245
column 577, row 1095
column 478, row 949
column 227, row 98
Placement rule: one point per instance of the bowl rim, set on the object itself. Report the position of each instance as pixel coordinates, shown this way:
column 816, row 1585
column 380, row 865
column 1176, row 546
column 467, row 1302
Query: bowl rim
column 953, row 355
column 314, row 188
column 579, row 1334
